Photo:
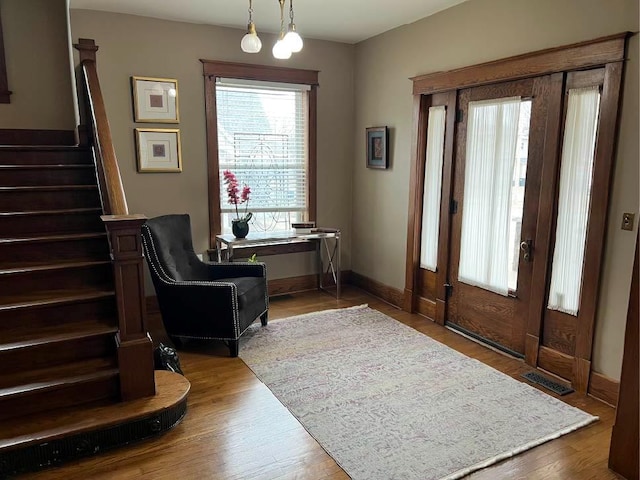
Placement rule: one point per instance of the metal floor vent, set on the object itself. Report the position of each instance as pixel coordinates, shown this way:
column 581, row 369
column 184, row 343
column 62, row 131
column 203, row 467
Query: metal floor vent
column 555, row 387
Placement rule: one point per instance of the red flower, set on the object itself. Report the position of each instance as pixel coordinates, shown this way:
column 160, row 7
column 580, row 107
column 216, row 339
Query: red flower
column 245, row 194
column 233, row 198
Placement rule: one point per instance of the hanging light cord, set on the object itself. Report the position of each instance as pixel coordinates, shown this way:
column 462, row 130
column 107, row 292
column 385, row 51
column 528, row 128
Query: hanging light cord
column 281, row 18
column 250, row 11
column 291, row 10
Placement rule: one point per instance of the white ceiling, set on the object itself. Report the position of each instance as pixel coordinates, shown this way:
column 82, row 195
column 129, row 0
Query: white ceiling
column 348, row 21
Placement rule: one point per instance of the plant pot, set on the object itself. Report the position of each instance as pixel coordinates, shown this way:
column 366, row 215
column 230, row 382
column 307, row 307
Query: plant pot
column 240, row 228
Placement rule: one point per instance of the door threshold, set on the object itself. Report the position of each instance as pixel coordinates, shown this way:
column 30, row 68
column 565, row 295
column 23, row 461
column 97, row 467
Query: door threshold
column 474, row 337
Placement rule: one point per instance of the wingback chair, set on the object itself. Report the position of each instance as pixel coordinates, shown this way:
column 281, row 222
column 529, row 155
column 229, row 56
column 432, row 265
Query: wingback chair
column 197, row 299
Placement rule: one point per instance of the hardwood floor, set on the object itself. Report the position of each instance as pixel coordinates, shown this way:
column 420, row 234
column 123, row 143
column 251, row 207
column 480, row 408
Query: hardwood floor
column 236, row 429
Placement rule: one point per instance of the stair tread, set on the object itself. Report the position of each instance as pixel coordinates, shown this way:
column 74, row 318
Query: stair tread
column 70, row 369
column 46, row 379
column 21, row 338
column 47, row 166
column 47, row 188
column 171, row 388
column 43, row 148
column 50, row 298
column 64, row 211
column 43, row 267
column 53, row 237
column 24, row 265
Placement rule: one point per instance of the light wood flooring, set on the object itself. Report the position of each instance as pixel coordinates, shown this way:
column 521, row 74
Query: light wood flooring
column 236, row 429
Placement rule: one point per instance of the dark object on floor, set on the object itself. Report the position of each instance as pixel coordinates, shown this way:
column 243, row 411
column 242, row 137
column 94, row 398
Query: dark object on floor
column 555, row 387
column 208, row 301
column 166, row 358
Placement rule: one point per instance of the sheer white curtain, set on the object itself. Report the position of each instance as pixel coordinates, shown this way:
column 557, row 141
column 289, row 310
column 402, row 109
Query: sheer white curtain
column 576, row 170
column 432, row 188
column 492, row 131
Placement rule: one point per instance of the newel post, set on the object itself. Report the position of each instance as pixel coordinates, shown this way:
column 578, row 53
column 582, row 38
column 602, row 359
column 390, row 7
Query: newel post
column 135, row 347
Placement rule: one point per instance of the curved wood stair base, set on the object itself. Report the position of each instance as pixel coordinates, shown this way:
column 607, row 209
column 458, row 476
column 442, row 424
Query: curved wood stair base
column 50, row 439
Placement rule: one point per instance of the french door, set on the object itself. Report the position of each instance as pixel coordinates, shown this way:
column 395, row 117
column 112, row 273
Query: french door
column 496, row 185
column 509, row 198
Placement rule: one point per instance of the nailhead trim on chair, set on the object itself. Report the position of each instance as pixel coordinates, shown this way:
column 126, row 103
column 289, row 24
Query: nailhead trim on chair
column 165, row 278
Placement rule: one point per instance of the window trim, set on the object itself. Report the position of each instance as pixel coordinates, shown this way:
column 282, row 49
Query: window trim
column 213, row 70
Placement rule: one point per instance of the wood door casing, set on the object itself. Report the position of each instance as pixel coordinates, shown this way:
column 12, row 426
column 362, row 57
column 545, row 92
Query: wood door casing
column 552, row 342
column 559, row 330
column 565, row 341
column 499, row 319
column 428, row 288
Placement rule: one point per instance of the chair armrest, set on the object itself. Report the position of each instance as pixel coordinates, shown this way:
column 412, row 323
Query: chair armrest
column 236, row 269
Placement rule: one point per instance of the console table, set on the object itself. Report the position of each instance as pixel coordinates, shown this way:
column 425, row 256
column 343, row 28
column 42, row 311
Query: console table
column 321, row 236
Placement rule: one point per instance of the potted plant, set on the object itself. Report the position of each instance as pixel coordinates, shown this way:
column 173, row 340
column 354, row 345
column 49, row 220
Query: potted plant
column 240, row 224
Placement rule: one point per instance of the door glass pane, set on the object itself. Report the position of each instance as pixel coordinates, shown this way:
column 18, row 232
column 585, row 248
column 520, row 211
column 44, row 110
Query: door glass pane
column 432, row 189
column 492, row 141
column 576, row 171
column 517, row 192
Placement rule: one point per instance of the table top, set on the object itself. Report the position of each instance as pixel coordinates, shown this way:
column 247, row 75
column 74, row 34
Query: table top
column 255, row 238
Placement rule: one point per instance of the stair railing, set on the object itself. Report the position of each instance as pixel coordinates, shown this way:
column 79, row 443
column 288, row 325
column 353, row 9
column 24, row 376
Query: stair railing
column 135, row 348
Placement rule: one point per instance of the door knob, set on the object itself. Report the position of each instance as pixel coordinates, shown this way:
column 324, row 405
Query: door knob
column 525, row 246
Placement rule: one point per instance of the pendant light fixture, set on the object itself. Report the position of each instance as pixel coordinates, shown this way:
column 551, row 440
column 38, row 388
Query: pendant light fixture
column 292, row 38
column 281, row 49
column 288, row 40
column 251, row 43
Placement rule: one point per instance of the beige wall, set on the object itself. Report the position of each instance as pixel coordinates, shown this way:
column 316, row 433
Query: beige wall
column 474, row 32
column 132, row 45
column 38, row 73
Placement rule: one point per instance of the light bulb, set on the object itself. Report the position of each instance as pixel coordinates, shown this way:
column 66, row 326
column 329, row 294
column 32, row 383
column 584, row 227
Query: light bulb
column 293, row 39
column 281, row 50
column 251, row 43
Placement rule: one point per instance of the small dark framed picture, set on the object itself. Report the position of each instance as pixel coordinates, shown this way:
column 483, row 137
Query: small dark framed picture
column 378, row 147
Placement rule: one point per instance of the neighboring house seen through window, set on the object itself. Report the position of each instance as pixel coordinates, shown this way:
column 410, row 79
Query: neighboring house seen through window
column 262, row 139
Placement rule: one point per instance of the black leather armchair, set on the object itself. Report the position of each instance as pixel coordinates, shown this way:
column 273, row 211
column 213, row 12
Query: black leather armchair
column 197, row 299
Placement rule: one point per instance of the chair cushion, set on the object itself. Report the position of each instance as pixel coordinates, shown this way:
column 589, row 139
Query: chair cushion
column 250, row 289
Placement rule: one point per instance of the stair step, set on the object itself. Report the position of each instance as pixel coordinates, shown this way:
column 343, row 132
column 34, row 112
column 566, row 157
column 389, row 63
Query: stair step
column 26, row 337
column 29, row 300
column 28, row 380
column 67, row 276
column 38, row 249
column 50, row 197
column 60, row 393
column 76, row 220
column 49, row 438
column 49, row 267
column 44, row 155
column 42, row 175
column 26, row 349
column 102, row 310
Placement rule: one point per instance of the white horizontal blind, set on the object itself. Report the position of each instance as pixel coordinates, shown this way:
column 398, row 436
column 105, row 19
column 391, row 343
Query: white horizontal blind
column 432, row 188
column 262, row 139
column 576, row 172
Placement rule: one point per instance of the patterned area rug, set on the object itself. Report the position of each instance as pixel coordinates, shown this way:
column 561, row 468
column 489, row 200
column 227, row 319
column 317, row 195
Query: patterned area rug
column 387, row 402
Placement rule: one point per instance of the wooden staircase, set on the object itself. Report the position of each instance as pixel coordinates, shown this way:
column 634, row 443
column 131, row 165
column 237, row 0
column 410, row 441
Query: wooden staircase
column 76, row 360
column 58, row 316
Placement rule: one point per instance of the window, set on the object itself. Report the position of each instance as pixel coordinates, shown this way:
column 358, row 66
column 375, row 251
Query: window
column 262, row 139
column 261, row 124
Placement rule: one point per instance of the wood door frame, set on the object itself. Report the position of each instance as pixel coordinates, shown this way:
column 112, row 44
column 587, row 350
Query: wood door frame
column 416, row 188
column 608, row 52
column 517, row 303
